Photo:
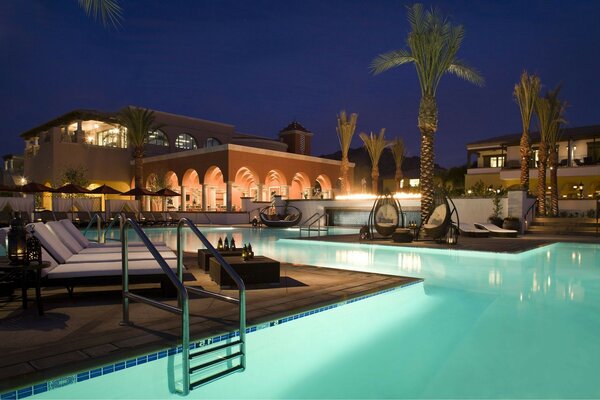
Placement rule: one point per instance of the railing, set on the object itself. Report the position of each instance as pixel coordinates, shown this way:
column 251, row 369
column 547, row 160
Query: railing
column 530, row 210
column 240, row 301
column 98, row 219
column 112, row 223
column 182, row 294
column 315, row 219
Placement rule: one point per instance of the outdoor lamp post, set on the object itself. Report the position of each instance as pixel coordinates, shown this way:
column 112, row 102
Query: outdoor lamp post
column 16, row 241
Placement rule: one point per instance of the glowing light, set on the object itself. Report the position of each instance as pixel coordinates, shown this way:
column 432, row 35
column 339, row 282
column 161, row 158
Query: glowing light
column 23, row 180
column 368, row 196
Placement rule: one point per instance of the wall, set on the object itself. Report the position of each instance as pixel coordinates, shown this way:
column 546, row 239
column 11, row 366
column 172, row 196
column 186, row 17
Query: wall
column 478, row 209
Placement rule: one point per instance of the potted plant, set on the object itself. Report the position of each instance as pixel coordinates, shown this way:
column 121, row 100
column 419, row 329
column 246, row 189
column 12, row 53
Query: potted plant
column 513, row 223
column 495, row 217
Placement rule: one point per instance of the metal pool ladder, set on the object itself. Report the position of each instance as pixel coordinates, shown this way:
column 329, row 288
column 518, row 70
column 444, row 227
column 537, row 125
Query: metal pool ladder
column 207, row 360
column 315, row 219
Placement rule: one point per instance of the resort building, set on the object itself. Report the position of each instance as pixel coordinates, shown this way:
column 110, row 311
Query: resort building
column 211, row 164
column 496, row 162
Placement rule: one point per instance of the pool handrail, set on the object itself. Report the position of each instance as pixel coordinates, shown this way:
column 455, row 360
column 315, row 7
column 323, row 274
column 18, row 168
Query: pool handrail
column 241, row 300
column 314, row 221
column 182, row 294
column 98, row 219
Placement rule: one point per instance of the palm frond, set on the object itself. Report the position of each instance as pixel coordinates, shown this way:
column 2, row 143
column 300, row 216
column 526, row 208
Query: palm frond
column 466, row 72
column 526, row 93
column 550, row 110
column 389, row 60
column 139, row 123
column 108, row 11
column 375, row 144
column 345, row 131
column 397, row 148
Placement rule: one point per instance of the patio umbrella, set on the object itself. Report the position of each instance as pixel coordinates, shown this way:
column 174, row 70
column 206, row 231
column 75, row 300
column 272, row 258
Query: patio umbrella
column 105, row 189
column 34, row 187
column 166, row 192
column 138, row 192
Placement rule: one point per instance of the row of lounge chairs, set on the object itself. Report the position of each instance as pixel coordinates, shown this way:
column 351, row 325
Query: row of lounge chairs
column 75, row 261
column 485, row 230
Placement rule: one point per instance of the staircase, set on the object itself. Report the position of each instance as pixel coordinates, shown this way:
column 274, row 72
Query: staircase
column 564, row 226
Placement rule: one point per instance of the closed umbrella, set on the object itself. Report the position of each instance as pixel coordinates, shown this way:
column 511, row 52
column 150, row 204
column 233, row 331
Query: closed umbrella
column 139, row 192
column 33, row 187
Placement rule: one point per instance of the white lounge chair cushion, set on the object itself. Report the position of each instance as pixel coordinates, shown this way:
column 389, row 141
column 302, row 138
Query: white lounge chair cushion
column 148, row 267
column 494, row 228
column 105, row 257
column 50, row 242
column 83, row 241
column 117, row 249
column 65, row 236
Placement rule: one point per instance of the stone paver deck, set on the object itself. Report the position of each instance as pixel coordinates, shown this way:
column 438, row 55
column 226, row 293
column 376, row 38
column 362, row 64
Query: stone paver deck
column 84, row 332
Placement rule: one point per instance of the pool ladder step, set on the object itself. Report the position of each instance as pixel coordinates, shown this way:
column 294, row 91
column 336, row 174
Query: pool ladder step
column 218, row 358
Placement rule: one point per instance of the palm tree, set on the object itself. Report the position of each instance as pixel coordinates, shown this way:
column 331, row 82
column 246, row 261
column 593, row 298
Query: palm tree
column 397, row 147
column 375, row 146
column 109, row 11
column 139, row 123
column 526, row 92
column 345, row 131
column 552, row 138
column 549, row 112
column 433, row 43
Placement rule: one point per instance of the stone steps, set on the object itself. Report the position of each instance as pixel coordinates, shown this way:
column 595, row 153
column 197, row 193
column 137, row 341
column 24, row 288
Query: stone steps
column 563, row 226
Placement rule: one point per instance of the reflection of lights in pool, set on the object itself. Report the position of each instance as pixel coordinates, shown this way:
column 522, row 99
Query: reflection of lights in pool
column 409, row 262
column 354, row 257
column 367, row 196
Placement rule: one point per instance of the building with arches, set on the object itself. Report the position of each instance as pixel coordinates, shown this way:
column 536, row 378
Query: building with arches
column 211, row 164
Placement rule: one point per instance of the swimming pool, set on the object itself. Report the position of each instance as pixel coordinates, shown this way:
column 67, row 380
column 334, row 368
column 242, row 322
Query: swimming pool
column 481, row 325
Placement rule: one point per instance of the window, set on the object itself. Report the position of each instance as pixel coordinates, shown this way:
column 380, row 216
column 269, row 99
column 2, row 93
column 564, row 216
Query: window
column 413, row 182
column 493, row 161
column 114, row 137
column 593, row 152
column 497, row 161
column 302, row 144
column 211, row 142
column 158, row 138
column 186, row 141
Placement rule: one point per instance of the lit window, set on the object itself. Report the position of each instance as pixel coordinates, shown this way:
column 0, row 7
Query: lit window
column 413, row 182
column 497, row 161
column 211, row 142
column 186, row 142
column 114, row 137
column 158, row 138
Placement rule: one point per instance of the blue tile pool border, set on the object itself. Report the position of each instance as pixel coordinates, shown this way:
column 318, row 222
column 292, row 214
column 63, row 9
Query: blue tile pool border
column 96, row 372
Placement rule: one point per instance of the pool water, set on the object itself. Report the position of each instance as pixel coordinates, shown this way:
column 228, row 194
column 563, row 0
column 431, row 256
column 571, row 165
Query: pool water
column 480, row 326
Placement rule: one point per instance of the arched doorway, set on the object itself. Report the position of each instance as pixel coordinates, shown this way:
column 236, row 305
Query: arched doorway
column 172, row 182
column 324, row 183
column 215, row 190
column 246, row 184
column 276, row 183
column 192, row 190
column 300, row 187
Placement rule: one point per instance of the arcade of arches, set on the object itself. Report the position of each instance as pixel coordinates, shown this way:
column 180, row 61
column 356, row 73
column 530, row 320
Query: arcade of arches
column 209, row 191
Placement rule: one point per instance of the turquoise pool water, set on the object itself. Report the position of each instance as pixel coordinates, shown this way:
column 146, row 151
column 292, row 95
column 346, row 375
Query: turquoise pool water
column 480, row 326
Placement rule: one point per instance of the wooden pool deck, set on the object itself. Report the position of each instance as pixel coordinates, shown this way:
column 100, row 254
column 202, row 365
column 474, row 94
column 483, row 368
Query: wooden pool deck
column 84, row 332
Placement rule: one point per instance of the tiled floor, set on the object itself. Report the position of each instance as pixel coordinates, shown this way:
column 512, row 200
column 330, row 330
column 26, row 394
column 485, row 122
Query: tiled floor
column 84, row 332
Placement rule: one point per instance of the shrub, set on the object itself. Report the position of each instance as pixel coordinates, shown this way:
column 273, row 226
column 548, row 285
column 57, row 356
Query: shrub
column 591, row 213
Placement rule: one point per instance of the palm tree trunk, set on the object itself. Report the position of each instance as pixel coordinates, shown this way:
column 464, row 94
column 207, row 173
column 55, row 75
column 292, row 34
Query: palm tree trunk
column 428, row 120
column 541, row 186
column 375, row 179
column 553, row 161
column 398, row 177
column 139, row 170
column 525, row 149
column 345, row 165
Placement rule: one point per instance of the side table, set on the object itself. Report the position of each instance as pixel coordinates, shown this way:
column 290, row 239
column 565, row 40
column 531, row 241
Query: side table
column 22, row 271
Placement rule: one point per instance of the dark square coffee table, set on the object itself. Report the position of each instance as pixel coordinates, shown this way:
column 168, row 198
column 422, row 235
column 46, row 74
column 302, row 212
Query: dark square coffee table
column 204, row 256
column 259, row 269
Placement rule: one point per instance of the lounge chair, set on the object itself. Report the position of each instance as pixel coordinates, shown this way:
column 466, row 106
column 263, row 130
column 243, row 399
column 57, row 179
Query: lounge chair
column 46, row 215
column 83, row 218
column 496, row 231
column 57, row 248
column 147, row 218
column 438, row 223
column 58, row 215
column 159, row 218
column 468, row 229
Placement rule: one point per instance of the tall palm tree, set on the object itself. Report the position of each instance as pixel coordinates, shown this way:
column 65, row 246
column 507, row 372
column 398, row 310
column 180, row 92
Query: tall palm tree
column 558, row 108
column 397, row 147
column 108, row 11
column 549, row 114
column 345, row 130
column 433, row 44
column 526, row 92
column 139, row 123
column 375, row 146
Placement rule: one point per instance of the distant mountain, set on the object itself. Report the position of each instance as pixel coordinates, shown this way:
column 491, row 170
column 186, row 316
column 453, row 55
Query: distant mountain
column 387, row 166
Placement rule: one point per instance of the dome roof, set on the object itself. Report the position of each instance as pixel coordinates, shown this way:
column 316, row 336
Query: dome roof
column 294, row 126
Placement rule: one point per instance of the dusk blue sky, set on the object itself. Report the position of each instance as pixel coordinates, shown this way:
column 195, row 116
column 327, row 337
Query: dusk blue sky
column 261, row 64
